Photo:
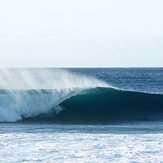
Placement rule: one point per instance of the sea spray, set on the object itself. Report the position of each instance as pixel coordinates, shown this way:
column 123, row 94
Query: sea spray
column 45, row 79
column 27, row 93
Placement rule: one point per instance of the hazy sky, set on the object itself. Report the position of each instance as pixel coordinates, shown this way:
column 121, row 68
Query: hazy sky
column 78, row 33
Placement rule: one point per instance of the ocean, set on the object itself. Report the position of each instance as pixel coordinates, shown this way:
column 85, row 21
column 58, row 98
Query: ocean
column 81, row 114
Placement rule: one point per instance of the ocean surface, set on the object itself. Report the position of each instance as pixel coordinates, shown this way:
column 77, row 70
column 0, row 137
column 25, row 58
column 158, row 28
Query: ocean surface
column 81, row 114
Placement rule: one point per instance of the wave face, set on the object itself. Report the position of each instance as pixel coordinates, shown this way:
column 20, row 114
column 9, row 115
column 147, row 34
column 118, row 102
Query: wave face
column 102, row 105
column 94, row 105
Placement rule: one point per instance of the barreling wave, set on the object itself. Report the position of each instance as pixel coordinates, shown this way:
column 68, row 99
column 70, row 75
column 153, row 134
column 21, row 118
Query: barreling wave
column 99, row 105
column 63, row 97
column 94, row 105
column 28, row 93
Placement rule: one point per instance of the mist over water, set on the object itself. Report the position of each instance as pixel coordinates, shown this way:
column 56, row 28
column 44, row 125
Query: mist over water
column 27, row 93
column 11, row 79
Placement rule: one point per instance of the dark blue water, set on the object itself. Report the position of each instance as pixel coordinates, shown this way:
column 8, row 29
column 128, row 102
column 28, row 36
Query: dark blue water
column 149, row 80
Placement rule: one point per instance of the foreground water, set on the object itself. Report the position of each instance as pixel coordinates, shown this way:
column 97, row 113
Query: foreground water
column 137, row 142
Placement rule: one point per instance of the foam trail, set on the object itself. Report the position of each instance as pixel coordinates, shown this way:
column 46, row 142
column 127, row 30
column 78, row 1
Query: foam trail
column 31, row 92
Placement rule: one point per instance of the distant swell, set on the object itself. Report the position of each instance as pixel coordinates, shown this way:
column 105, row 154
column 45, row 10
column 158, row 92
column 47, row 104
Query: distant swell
column 100, row 105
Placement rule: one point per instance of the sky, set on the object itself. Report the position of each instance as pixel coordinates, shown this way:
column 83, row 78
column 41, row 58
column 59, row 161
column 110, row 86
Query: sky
column 81, row 33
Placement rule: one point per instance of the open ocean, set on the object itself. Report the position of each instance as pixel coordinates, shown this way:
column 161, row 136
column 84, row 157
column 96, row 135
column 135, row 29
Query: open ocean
column 81, row 114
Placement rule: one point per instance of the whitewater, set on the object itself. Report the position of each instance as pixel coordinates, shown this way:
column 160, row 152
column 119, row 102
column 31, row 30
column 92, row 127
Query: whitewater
column 81, row 114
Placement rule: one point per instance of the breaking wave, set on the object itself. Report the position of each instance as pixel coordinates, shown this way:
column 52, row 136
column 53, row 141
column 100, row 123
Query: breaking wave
column 63, row 97
column 27, row 93
column 94, row 105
